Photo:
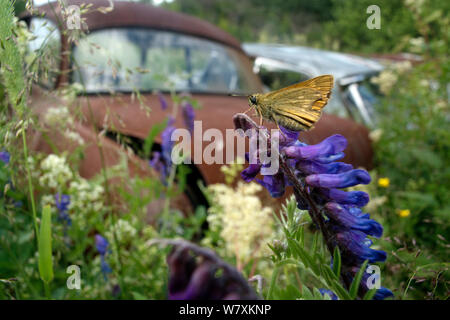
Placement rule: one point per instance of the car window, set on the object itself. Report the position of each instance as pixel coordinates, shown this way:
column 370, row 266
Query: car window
column 126, row 59
column 369, row 95
column 279, row 78
column 45, row 43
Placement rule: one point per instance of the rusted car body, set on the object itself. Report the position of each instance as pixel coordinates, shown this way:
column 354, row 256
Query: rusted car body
column 124, row 113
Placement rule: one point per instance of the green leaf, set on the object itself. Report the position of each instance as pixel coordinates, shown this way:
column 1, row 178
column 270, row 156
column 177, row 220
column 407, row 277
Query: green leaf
column 337, row 262
column 369, row 294
column 45, row 246
column 357, row 280
column 340, row 291
column 306, row 294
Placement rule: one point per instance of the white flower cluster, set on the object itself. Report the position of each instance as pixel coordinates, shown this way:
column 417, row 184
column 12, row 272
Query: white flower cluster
column 57, row 116
column 125, row 232
column 85, row 196
column 55, row 172
column 246, row 226
column 74, row 136
column 388, row 77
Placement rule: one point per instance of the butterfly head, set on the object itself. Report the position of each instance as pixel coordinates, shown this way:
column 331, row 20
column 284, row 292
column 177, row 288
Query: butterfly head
column 253, row 99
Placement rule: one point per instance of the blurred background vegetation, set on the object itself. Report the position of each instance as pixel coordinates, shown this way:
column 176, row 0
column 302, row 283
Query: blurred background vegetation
column 329, row 24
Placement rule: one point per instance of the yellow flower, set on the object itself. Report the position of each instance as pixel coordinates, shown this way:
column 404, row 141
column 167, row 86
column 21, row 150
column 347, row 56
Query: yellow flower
column 383, row 182
column 404, row 213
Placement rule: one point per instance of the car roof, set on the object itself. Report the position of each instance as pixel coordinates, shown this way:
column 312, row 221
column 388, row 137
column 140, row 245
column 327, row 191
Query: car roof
column 314, row 62
column 134, row 14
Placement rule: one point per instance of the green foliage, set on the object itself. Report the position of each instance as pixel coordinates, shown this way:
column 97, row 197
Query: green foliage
column 301, row 258
column 413, row 152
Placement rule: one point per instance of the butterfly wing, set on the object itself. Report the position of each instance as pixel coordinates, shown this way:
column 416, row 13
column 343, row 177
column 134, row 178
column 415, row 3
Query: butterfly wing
column 299, row 106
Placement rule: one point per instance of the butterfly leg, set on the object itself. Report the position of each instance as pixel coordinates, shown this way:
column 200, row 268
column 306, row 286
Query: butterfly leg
column 278, row 126
column 248, row 110
column 260, row 117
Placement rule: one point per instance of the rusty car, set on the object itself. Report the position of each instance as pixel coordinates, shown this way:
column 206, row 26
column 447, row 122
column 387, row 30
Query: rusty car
column 183, row 55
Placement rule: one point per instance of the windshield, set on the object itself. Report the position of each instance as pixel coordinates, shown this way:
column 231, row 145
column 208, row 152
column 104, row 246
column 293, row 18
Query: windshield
column 128, row 59
column 363, row 96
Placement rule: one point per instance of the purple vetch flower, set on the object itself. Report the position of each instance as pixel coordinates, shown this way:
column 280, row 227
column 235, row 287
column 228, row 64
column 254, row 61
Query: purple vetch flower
column 101, row 244
column 5, row 157
column 317, row 180
column 162, row 161
column 340, row 180
column 357, row 198
column 102, row 247
column 62, row 202
column 346, row 219
column 162, row 100
column 197, row 273
column 188, row 115
column 332, row 295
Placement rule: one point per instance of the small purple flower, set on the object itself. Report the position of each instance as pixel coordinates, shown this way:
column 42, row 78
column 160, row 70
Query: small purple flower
column 167, row 143
column 275, row 184
column 101, row 244
column 188, row 115
column 345, row 218
column 355, row 247
column 249, row 173
column 5, row 157
column 332, row 295
column 341, row 180
column 326, row 151
column 162, row 101
column 162, row 161
column 310, row 167
column 102, row 247
column 62, row 202
column 357, row 198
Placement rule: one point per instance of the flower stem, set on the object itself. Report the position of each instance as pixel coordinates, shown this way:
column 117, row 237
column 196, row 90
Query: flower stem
column 314, row 212
column 30, row 185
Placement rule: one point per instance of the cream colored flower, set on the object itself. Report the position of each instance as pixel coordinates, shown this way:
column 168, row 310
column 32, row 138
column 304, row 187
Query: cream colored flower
column 246, row 226
column 55, row 172
column 57, row 116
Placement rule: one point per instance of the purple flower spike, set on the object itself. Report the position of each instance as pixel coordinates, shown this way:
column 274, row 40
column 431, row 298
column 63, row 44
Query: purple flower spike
column 162, row 101
column 323, row 151
column 189, row 116
column 101, row 244
column 62, row 202
column 5, row 157
column 357, row 198
column 342, row 180
column 316, row 177
column 167, row 144
column 339, row 215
